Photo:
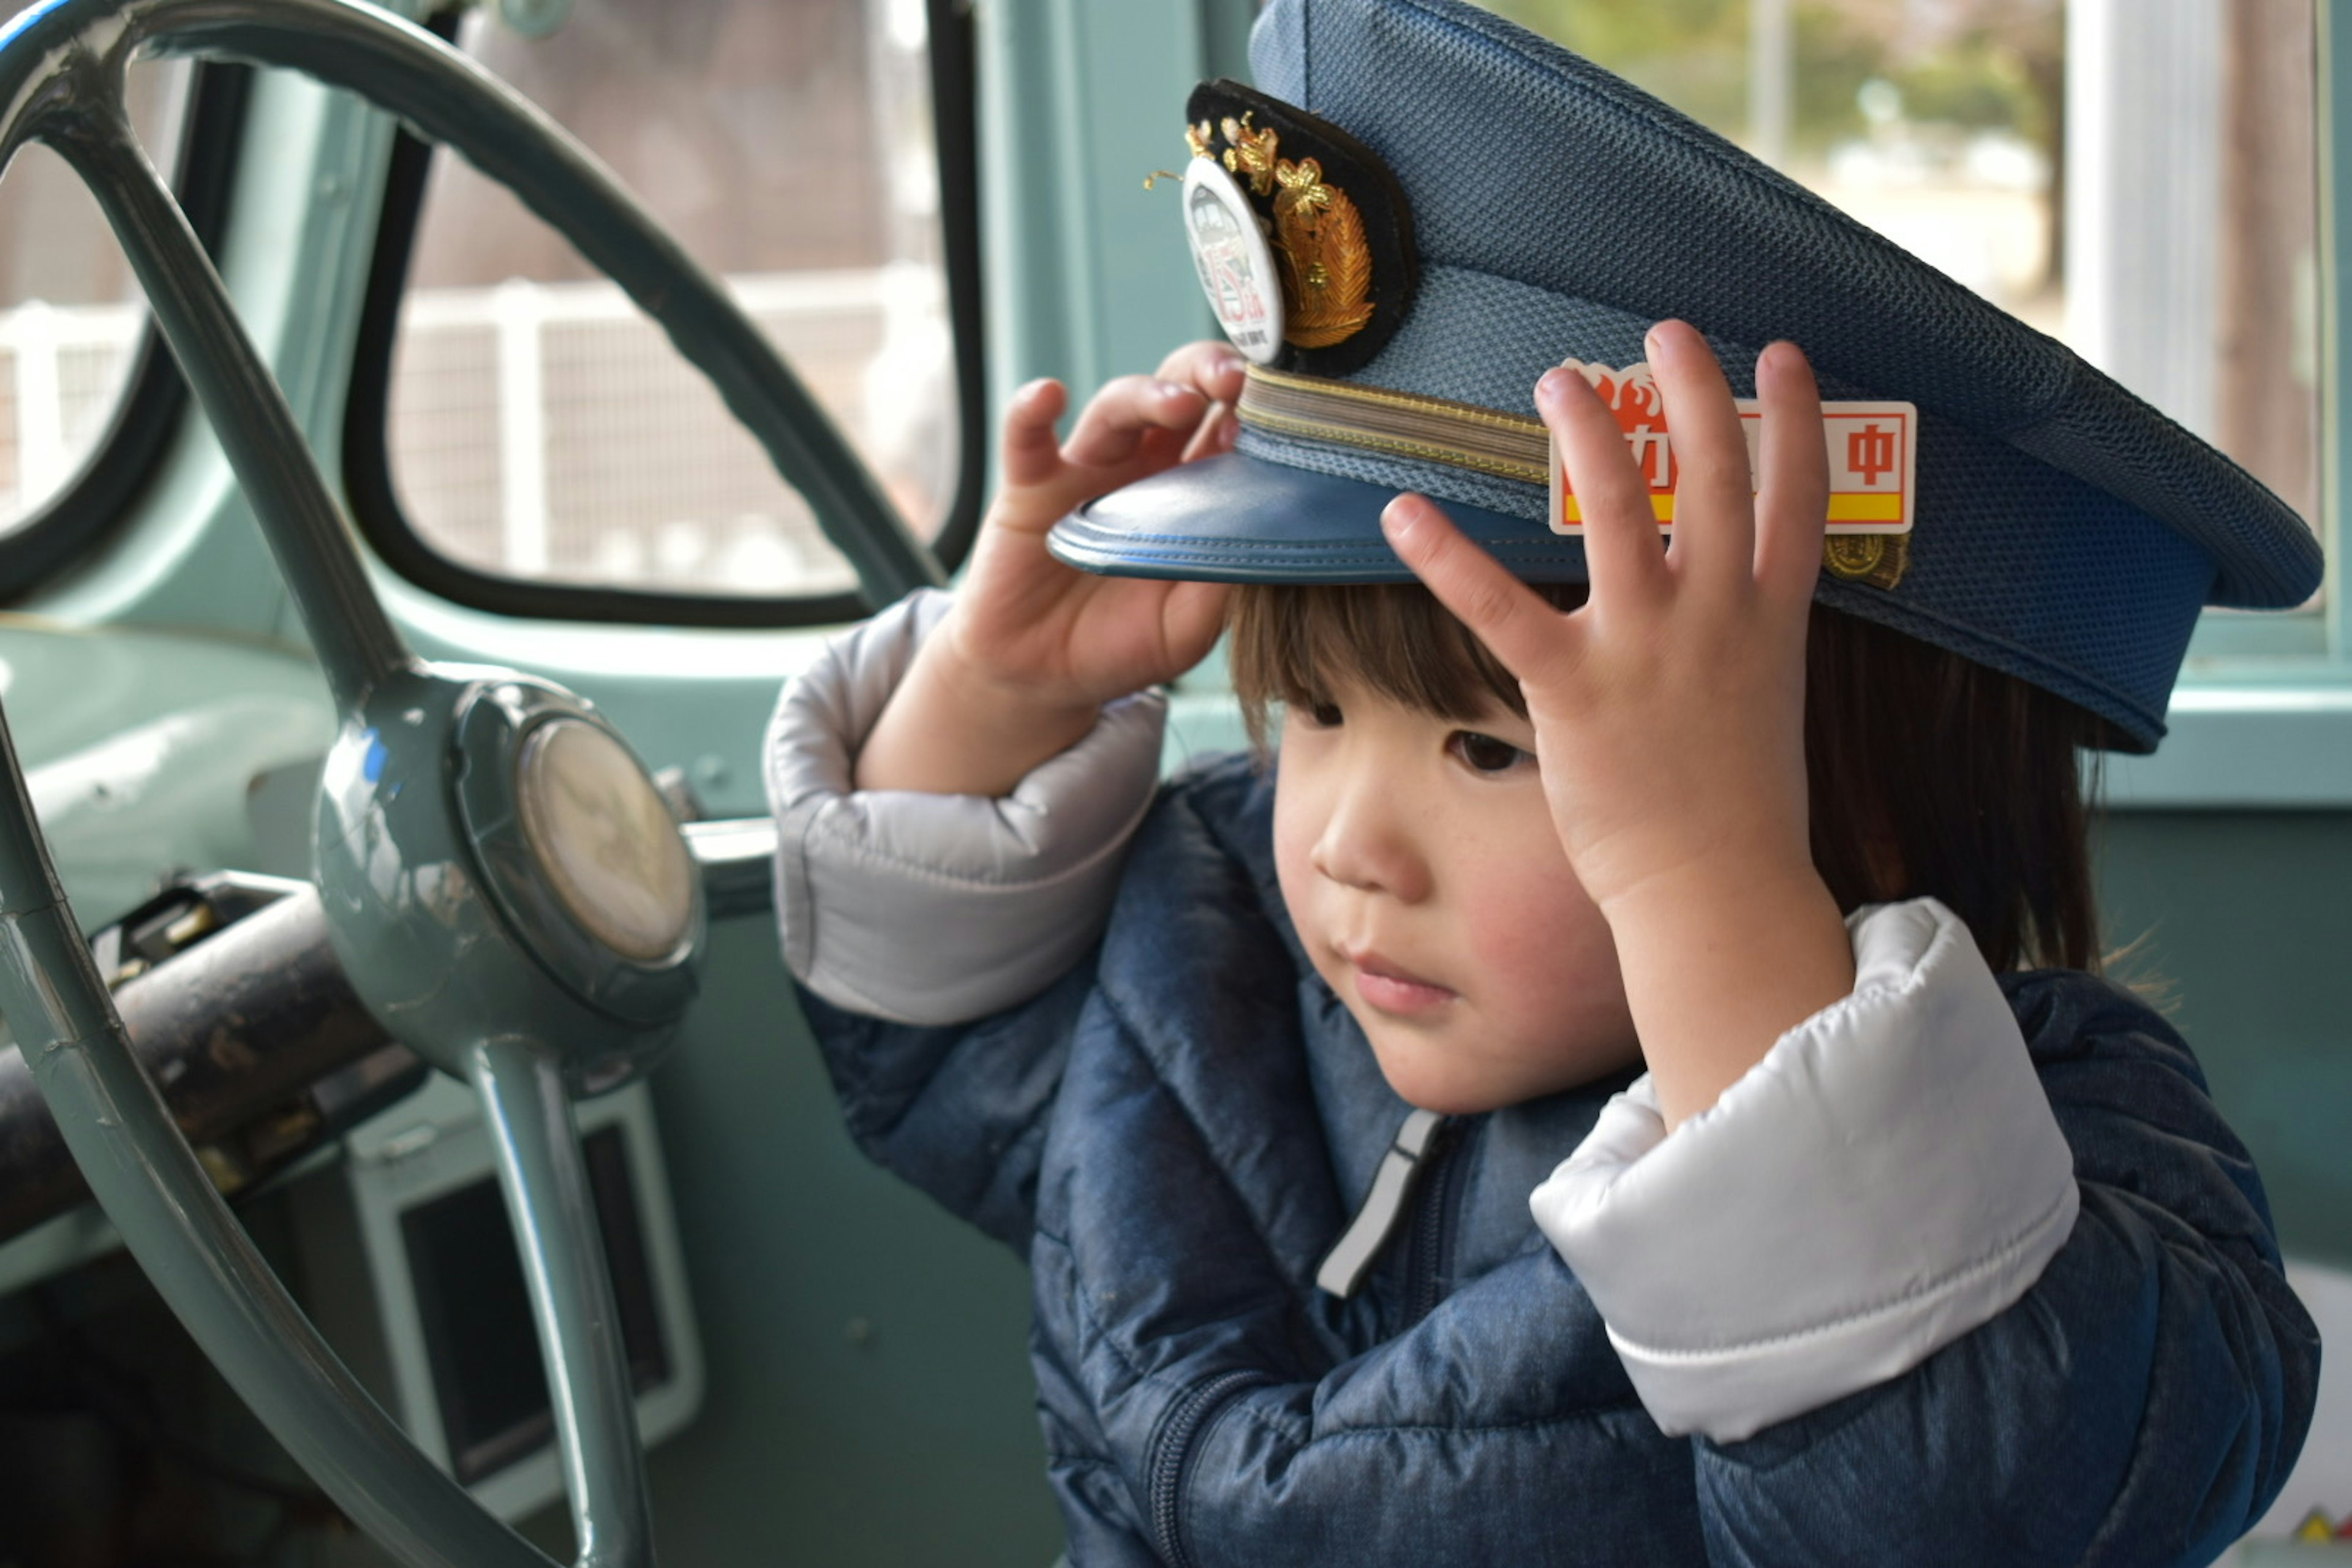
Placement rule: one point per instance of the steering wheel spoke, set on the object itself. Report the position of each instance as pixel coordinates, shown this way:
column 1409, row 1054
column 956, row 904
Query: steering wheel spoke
column 544, row 1177
column 355, row 642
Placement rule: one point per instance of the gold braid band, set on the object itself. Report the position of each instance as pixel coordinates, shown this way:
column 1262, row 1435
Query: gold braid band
column 1401, row 424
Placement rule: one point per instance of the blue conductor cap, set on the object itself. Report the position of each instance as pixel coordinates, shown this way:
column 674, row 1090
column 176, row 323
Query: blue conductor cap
column 1420, row 208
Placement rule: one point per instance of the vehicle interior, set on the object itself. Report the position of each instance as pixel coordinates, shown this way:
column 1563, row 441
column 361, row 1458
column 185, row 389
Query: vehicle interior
column 430, row 436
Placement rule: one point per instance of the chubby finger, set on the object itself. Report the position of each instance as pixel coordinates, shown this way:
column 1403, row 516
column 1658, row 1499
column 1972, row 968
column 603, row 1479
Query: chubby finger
column 1715, row 509
column 1032, row 449
column 1793, row 500
column 1620, row 531
column 1216, row 433
column 1212, row 365
column 1532, row 639
column 1117, row 420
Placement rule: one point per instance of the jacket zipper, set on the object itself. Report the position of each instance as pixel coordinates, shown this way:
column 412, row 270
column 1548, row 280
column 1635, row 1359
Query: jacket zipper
column 1434, row 1226
column 1172, row 1454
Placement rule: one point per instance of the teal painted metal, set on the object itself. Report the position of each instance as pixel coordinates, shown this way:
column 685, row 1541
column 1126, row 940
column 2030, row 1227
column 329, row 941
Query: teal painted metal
column 191, row 554
column 402, row 880
column 869, row 1402
column 694, row 698
column 197, row 1255
column 353, row 638
column 2334, row 106
column 2238, row 747
column 141, row 749
column 140, row 752
column 2244, row 919
column 1224, row 38
column 437, row 899
column 545, row 1179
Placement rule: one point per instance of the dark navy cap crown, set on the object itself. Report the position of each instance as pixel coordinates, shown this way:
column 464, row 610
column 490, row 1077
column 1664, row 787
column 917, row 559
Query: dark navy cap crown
column 2067, row 532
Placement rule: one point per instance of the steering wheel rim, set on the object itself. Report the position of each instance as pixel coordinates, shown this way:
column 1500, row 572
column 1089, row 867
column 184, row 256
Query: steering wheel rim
column 456, row 909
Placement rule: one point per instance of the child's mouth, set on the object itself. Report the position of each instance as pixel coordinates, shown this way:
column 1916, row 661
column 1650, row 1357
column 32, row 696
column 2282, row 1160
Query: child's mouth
column 1384, row 985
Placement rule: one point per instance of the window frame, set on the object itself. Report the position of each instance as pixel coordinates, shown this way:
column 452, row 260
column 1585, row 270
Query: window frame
column 2334, row 94
column 372, row 488
column 2261, row 716
column 129, row 453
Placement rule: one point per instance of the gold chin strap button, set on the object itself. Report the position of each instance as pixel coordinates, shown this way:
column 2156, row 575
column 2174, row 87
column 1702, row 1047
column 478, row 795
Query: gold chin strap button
column 1877, row 559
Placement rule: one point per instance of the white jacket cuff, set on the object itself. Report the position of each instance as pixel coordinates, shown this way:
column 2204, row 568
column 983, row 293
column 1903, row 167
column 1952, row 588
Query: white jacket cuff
column 937, row 908
column 1887, row 1178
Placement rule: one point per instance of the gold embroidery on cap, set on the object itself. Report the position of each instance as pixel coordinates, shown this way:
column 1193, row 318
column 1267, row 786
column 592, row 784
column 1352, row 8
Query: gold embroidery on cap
column 1253, row 153
column 1318, row 235
column 1878, row 560
column 1325, row 261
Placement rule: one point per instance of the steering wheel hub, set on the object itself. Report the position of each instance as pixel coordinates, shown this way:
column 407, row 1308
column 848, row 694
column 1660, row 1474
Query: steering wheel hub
column 604, row 838
column 496, row 862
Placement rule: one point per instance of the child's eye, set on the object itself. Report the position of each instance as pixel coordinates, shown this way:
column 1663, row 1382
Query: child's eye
column 1325, row 715
column 1483, row 754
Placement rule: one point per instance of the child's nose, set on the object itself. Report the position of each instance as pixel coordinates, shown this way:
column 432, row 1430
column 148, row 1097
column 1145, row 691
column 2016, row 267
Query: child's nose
column 1367, row 841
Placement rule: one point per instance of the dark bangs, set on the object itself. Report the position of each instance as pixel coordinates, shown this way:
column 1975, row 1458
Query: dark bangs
column 1297, row 644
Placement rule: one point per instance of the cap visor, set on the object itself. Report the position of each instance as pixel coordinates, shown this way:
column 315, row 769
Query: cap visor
column 1239, row 519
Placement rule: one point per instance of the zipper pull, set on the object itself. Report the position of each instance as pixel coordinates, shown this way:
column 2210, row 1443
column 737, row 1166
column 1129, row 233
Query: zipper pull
column 1361, row 1245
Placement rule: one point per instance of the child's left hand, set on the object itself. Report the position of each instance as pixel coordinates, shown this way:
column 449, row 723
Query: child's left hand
column 1669, row 710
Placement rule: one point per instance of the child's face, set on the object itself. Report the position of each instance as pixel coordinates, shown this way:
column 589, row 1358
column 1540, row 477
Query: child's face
column 1420, row 864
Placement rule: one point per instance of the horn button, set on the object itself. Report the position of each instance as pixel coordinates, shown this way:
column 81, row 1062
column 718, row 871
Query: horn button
column 578, row 849
column 604, row 838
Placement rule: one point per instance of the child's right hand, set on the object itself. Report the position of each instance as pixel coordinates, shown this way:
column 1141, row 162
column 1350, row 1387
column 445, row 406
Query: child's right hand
column 1032, row 648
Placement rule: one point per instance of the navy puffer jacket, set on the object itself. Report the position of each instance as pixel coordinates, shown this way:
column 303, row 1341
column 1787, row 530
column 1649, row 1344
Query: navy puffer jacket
column 1174, row 1133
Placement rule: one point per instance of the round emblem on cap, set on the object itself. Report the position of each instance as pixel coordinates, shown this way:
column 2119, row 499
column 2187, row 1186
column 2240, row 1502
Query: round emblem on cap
column 1235, row 263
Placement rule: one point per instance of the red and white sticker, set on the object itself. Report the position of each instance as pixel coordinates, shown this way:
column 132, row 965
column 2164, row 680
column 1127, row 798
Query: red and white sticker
column 1873, row 451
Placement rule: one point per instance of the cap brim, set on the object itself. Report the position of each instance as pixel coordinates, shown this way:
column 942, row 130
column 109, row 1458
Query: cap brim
column 1239, row 519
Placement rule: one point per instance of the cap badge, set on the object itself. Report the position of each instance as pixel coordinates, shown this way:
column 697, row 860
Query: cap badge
column 1235, row 263
column 1308, row 259
column 1318, row 248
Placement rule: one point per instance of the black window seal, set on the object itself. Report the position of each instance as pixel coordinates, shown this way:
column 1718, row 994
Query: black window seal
column 126, row 459
column 372, row 489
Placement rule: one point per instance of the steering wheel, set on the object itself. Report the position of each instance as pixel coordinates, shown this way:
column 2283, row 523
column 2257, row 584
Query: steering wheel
column 502, row 881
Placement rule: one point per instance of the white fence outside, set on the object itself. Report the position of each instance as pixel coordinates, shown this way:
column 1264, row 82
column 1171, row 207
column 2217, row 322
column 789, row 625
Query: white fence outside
column 61, row 369
column 549, row 431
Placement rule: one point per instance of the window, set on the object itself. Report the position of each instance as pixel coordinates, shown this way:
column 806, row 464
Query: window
column 546, row 446
column 72, row 321
column 2137, row 177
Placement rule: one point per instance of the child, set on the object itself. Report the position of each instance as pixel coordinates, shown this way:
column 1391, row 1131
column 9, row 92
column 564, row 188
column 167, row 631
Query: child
column 1896, row 1251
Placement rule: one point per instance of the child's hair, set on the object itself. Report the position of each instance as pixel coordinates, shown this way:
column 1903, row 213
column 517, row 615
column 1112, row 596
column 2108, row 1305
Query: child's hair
column 1929, row 774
